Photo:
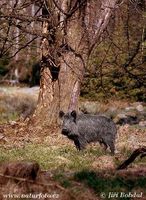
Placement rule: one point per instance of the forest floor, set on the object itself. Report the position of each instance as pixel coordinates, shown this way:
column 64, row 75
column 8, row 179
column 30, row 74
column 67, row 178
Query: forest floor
column 66, row 173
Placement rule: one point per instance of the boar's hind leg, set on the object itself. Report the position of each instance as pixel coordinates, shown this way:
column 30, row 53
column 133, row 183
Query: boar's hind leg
column 102, row 143
column 110, row 143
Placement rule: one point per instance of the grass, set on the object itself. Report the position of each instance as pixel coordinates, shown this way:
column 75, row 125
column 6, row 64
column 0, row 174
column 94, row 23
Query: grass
column 63, row 180
column 115, row 184
column 62, row 158
column 69, row 166
column 58, row 155
column 14, row 105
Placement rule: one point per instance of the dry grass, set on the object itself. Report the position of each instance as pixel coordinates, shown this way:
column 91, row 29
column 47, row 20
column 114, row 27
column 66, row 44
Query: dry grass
column 53, row 150
column 93, row 168
column 16, row 103
column 69, row 173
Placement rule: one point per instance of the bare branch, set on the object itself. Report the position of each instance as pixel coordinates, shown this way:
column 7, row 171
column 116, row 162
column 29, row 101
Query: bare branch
column 23, row 47
column 24, row 18
column 134, row 155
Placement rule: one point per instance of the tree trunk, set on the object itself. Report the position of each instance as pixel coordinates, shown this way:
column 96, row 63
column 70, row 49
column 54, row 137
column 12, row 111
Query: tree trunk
column 65, row 53
column 60, row 94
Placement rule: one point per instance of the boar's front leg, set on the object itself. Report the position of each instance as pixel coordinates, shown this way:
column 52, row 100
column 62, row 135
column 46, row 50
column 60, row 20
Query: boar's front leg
column 79, row 145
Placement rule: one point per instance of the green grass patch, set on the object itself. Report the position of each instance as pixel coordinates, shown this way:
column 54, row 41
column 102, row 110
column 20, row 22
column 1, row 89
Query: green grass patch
column 63, row 158
column 113, row 184
column 63, row 180
column 69, row 166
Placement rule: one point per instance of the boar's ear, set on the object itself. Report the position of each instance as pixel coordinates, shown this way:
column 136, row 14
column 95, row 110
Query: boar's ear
column 74, row 114
column 61, row 114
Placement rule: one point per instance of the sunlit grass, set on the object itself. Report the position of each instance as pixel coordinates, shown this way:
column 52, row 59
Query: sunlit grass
column 14, row 104
column 65, row 158
column 69, row 166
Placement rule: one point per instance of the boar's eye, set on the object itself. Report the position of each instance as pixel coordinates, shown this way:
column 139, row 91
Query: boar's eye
column 74, row 114
column 61, row 114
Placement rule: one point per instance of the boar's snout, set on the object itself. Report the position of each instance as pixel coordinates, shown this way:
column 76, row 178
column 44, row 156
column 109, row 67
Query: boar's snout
column 65, row 131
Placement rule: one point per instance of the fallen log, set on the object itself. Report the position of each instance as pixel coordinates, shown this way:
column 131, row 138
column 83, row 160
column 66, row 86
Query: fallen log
column 21, row 169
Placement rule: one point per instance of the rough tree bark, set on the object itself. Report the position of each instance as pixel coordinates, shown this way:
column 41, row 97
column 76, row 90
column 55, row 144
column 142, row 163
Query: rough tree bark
column 71, row 34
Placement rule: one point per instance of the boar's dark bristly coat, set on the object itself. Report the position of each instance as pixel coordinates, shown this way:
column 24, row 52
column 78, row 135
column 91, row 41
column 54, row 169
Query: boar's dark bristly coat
column 86, row 128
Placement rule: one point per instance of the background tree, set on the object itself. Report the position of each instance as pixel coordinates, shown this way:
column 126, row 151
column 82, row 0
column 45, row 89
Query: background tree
column 18, row 29
column 19, row 36
column 72, row 32
column 117, row 65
